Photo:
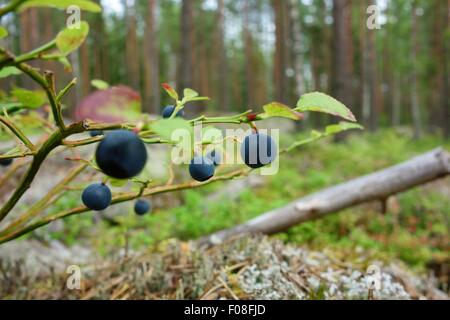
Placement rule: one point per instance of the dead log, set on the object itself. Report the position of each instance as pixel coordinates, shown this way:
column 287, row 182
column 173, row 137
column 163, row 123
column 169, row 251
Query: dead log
column 375, row 186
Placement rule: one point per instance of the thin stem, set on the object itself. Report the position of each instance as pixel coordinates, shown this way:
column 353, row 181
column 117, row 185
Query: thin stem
column 157, row 140
column 63, row 92
column 237, row 119
column 56, row 106
column 95, row 127
column 119, row 199
column 17, row 155
column 34, row 54
column 43, row 203
column 32, row 73
column 51, row 143
column 11, row 171
column 47, row 82
column 84, row 142
column 18, row 133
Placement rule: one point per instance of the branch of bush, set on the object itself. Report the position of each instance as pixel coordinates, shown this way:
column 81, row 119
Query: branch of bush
column 64, row 44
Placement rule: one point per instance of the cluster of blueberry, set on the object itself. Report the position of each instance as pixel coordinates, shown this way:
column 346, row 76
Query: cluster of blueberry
column 123, row 155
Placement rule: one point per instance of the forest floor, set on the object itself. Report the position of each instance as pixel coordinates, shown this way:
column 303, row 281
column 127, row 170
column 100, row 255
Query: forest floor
column 125, row 256
column 242, row 268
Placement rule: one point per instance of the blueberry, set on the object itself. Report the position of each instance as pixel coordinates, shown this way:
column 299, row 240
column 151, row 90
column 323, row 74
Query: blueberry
column 258, row 150
column 121, row 154
column 141, row 207
column 168, row 110
column 5, row 162
column 215, row 156
column 95, row 133
column 97, row 196
column 201, row 168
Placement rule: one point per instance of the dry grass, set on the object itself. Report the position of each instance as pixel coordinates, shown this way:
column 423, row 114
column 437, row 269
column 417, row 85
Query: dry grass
column 243, row 268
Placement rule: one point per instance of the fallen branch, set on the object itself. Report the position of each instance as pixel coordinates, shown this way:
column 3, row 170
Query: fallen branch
column 376, row 186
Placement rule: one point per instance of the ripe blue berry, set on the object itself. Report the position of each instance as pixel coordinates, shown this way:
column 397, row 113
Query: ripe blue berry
column 141, row 207
column 95, row 133
column 258, row 150
column 201, row 168
column 97, row 196
column 121, row 154
column 5, row 162
column 168, row 110
column 215, row 156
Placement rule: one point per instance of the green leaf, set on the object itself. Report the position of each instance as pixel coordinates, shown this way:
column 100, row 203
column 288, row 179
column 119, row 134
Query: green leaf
column 316, row 134
column 66, row 63
column 86, row 5
column 342, row 126
column 100, row 84
column 320, row 102
column 171, row 91
column 69, row 40
column 276, row 109
column 11, row 107
column 29, row 98
column 9, row 71
column 189, row 94
column 166, row 127
column 118, row 182
column 3, row 32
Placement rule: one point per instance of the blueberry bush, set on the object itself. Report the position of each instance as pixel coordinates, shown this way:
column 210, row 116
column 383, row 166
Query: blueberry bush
column 122, row 146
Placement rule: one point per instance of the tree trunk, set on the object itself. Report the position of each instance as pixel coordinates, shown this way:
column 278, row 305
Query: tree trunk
column 132, row 48
column 297, row 54
column 281, row 52
column 29, row 38
column 396, row 100
column 343, row 55
column 415, row 99
column 84, row 70
column 221, row 61
column 388, row 73
column 152, row 96
column 445, row 100
column 100, row 47
column 185, row 57
column 343, row 52
column 248, row 52
column 376, row 186
column 371, row 108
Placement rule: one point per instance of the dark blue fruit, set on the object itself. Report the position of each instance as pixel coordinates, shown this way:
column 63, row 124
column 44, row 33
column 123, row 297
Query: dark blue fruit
column 121, row 154
column 97, row 196
column 95, row 133
column 5, row 162
column 141, row 207
column 168, row 110
column 215, row 156
column 201, row 168
column 258, row 150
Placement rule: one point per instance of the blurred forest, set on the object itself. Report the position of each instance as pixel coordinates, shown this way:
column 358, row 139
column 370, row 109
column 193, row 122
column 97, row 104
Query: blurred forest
column 245, row 53
column 387, row 60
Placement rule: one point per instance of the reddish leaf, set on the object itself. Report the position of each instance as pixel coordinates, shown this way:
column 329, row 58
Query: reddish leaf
column 171, row 91
column 116, row 104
